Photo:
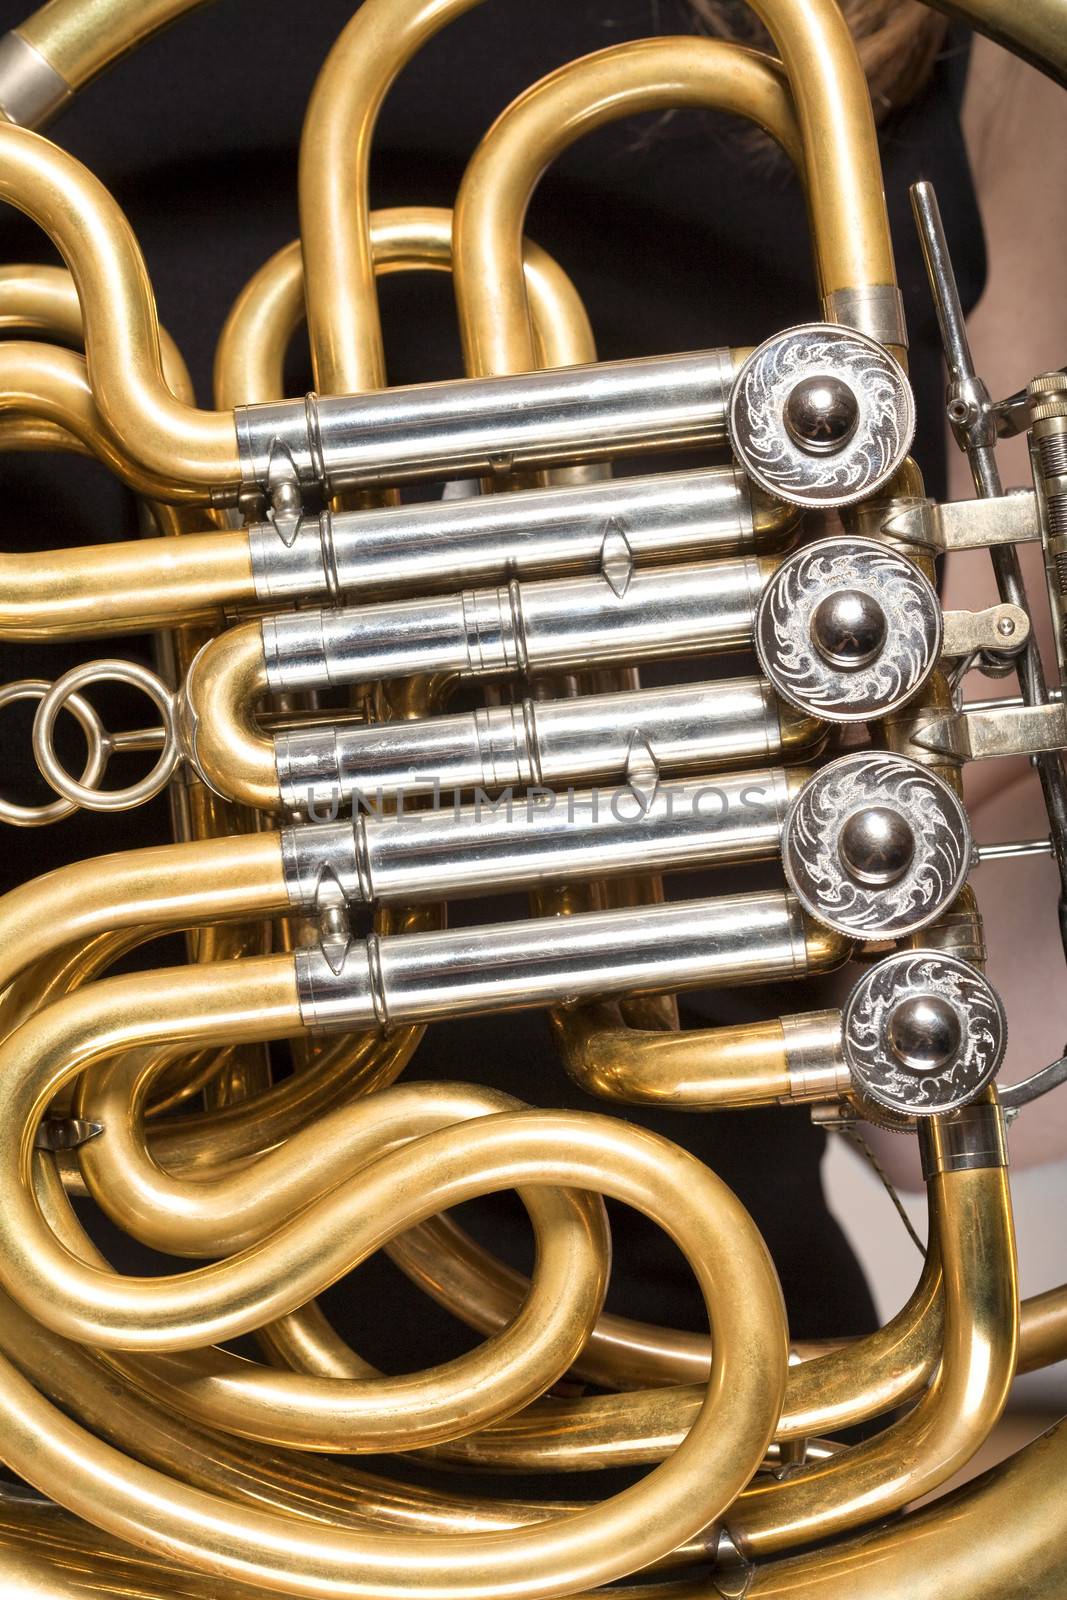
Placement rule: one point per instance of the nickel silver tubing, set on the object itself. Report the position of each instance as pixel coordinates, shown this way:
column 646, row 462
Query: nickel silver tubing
column 685, row 728
column 523, row 629
column 488, row 427
column 461, row 972
column 538, row 839
column 418, row 549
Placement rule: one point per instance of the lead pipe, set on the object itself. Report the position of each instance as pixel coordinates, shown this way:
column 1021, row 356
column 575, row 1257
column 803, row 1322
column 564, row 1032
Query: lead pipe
column 251, row 349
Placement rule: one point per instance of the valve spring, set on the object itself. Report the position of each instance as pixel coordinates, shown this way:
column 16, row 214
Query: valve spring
column 1053, row 450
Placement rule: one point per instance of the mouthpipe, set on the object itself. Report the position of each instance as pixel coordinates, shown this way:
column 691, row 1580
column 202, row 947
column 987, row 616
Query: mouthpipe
column 64, row 45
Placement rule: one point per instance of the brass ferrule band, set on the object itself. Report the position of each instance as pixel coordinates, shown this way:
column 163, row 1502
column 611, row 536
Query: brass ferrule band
column 876, row 310
column 31, row 90
column 814, row 1057
column 963, row 1140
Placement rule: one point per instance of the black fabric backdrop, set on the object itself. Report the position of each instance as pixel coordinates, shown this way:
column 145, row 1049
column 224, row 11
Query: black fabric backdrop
column 677, row 237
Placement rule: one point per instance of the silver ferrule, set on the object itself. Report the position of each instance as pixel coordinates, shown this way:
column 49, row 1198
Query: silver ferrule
column 877, row 311
column 323, row 866
column 487, row 427
column 814, row 1057
column 31, row 90
column 539, row 838
column 385, row 981
column 418, row 549
column 692, row 727
column 960, row 1141
column 524, row 628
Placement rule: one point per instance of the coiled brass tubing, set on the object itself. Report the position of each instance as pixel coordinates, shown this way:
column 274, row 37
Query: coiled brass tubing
column 589, row 1152
column 116, row 1397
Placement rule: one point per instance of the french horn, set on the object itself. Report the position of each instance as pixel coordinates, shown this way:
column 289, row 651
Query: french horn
column 329, row 802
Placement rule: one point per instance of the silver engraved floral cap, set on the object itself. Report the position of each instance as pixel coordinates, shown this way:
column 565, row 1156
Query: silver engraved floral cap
column 821, row 415
column 876, row 845
column 923, row 1033
column 848, row 630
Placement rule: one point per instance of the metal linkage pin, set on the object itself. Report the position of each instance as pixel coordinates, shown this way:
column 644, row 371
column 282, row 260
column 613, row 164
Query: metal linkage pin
column 973, row 420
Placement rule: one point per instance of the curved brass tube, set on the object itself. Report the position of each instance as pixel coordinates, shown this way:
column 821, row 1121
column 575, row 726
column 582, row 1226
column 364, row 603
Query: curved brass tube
column 250, row 353
column 849, row 223
column 698, row 1069
column 79, row 40
column 267, row 312
column 1000, row 1535
column 177, row 884
column 1037, row 31
column 964, row 1401
column 38, row 299
column 218, row 723
column 586, row 1547
column 166, row 886
column 167, row 438
column 648, row 75
column 86, row 1384
column 151, row 583
column 861, row 1378
column 400, row 1413
column 342, row 304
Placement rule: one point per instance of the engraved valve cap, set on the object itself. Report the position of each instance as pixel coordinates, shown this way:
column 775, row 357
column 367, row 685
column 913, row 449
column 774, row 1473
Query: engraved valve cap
column 821, row 415
column 923, row 1033
column 847, row 630
column 876, row 846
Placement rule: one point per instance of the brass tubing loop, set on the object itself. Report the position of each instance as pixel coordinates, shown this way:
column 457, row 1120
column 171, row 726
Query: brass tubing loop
column 313, row 625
